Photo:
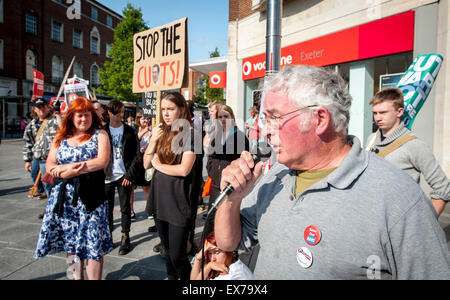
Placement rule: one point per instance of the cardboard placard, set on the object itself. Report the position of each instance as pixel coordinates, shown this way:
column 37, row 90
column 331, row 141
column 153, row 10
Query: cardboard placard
column 160, row 56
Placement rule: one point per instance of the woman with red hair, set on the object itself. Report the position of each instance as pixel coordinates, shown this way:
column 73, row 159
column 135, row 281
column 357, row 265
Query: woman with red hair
column 219, row 264
column 76, row 218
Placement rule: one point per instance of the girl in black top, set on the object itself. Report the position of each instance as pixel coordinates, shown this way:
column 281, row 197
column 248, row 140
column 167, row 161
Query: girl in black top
column 171, row 153
column 227, row 145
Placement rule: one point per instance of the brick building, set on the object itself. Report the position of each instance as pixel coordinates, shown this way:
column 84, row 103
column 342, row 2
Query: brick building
column 45, row 35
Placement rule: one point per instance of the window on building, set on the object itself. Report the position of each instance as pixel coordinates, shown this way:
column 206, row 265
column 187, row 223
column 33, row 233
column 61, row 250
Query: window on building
column 109, row 21
column 77, row 69
column 57, row 70
column 57, row 31
column 1, row 54
column 108, row 50
column 94, row 13
column 31, row 23
column 1, row 11
column 95, row 41
column 30, row 64
column 95, row 77
column 77, row 38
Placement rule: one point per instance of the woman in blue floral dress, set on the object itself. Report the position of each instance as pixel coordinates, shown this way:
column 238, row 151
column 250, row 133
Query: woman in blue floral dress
column 76, row 218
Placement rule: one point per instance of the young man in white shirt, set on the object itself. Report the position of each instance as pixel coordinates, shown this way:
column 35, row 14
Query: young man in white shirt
column 122, row 169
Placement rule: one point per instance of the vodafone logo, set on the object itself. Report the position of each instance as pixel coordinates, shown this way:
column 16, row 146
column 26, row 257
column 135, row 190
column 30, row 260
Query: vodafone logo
column 215, row 79
column 247, row 68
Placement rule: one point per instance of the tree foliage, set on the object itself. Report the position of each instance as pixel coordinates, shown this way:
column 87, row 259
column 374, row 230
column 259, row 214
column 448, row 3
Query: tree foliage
column 117, row 75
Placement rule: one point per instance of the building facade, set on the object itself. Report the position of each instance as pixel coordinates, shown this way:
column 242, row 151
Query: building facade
column 45, row 35
column 365, row 41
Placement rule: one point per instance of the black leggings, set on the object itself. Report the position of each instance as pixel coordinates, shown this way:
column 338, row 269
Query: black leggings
column 174, row 240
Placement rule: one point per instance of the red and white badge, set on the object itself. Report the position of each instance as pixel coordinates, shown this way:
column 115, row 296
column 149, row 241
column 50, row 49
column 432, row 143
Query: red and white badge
column 304, row 257
column 312, row 235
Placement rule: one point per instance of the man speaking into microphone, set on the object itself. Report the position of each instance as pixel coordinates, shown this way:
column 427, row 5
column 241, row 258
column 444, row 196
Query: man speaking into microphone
column 327, row 209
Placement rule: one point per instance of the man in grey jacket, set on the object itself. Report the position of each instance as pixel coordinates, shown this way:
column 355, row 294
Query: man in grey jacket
column 327, row 209
column 399, row 146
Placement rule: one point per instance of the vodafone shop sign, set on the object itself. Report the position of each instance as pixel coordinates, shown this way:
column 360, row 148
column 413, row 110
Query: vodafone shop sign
column 381, row 37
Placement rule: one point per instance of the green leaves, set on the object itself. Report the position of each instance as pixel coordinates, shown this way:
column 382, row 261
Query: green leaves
column 116, row 77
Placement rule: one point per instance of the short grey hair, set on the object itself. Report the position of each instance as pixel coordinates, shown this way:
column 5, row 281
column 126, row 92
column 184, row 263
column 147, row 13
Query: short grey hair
column 306, row 86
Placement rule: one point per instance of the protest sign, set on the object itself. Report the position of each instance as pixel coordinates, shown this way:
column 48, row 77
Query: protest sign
column 72, row 92
column 416, row 84
column 38, row 84
column 149, row 104
column 160, row 56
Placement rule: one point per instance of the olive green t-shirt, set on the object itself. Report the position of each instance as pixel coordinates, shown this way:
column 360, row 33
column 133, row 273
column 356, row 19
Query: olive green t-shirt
column 307, row 178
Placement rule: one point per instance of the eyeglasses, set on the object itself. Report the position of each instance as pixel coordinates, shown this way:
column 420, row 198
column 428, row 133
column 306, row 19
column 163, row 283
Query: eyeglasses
column 274, row 121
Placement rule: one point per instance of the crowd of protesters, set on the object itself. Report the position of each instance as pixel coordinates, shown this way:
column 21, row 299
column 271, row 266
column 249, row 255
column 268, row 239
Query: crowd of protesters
column 321, row 170
column 92, row 144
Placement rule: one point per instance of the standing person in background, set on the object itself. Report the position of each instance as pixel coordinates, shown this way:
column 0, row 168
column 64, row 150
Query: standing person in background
column 171, row 153
column 399, row 146
column 38, row 137
column 252, row 128
column 76, row 218
column 122, row 169
column 226, row 146
column 143, row 135
column 101, row 112
column 210, row 125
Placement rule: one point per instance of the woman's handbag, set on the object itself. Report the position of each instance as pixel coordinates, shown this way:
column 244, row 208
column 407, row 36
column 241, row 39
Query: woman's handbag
column 207, row 187
column 48, row 178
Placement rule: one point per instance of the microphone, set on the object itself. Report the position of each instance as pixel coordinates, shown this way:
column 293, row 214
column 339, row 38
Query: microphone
column 262, row 151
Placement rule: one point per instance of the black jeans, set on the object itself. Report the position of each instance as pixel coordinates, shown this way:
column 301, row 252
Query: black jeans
column 124, row 199
column 174, row 240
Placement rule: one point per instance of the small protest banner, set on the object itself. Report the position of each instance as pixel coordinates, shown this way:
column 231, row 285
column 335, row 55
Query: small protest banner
column 72, row 92
column 160, row 56
column 416, row 84
column 38, row 85
column 149, row 104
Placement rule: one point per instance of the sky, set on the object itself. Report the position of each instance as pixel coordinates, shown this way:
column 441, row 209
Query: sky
column 207, row 21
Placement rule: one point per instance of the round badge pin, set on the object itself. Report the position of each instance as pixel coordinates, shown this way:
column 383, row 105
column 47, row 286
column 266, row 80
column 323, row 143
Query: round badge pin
column 312, row 235
column 304, row 257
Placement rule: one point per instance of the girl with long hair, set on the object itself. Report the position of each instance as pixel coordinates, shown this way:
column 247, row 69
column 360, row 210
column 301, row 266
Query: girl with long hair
column 171, row 153
column 219, row 264
column 76, row 217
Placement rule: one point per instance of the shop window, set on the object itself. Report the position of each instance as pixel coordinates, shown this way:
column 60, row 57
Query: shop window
column 31, row 23
column 391, row 64
column 30, row 64
column 57, row 70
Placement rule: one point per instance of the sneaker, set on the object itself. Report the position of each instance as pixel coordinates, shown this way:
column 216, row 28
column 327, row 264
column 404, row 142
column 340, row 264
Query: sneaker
column 152, row 229
column 124, row 244
column 133, row 215
column 42, row 196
